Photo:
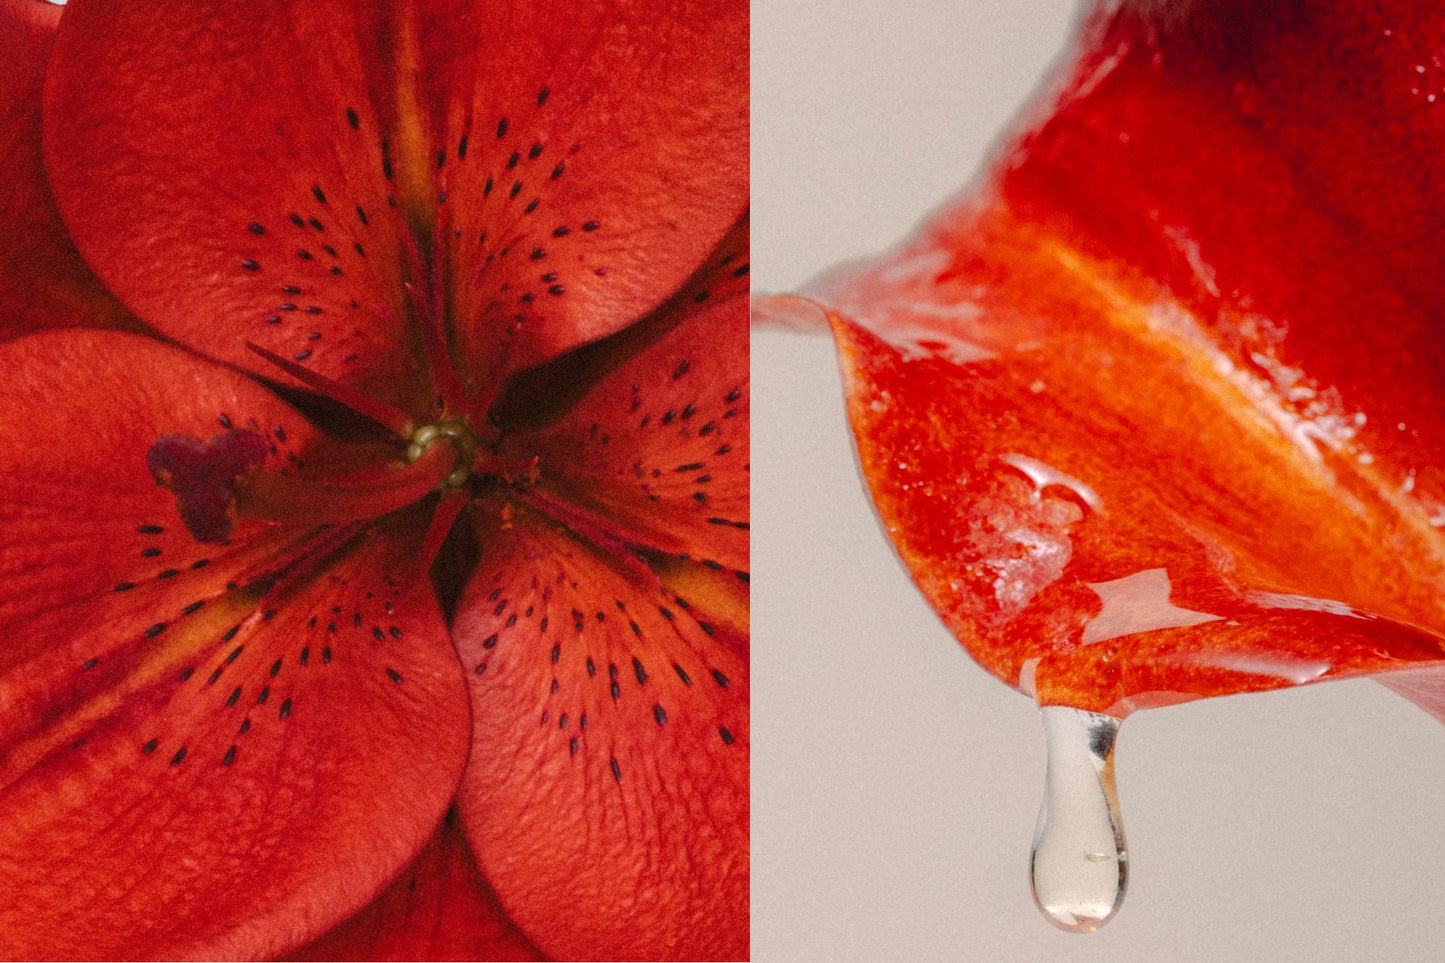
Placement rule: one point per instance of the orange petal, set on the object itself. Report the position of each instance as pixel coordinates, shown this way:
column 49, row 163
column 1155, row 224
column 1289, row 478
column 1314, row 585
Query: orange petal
column 43, row 281
column 439, row 909
column 607, row 793
column 1156, row 414
column 594, row 157
column 658, row 444
column 188, row 766
column 221, row 167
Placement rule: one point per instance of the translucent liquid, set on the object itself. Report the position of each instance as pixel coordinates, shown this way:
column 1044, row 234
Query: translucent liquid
column 1079, row 866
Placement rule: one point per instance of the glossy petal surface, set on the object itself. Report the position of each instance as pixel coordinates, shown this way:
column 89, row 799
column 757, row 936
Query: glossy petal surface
column 607, row 791
column 1156, row 414
column 178, row 751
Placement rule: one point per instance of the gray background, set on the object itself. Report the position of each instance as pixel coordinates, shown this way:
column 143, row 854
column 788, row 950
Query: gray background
column 895, row 785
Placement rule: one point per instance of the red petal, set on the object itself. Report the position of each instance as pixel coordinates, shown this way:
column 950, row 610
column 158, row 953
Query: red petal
column 43, row 281
column 439, row 909
column 659, row 443
column 221, row 167
column 1158, row 415
column 595, row 157
column 181, row 772
column 607, row 795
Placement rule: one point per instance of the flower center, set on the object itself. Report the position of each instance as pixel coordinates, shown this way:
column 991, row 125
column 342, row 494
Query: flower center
column 460, row 437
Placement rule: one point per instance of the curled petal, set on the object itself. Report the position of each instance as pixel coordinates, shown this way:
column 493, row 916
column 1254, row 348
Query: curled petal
column 43, row 281
column 1156, row 414
column 1105, row 513
column 607, row 793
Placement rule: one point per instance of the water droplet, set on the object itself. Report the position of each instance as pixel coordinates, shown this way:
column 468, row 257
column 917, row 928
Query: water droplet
column 1044, row 476
column 1079, row 867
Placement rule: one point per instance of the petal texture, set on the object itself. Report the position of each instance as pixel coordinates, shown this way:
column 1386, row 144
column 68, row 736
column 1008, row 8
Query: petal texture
column 439, row 909
column 43, row 281
column 593, row 161
column 1156, row 414
column 180, row 745
column 658, row 445
column 607, row 793
column 241, row 194
column 1105, row 509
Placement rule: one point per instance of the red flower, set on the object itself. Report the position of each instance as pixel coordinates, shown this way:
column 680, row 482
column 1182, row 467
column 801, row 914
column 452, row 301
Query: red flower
column 1155, row 414
column 428, row 319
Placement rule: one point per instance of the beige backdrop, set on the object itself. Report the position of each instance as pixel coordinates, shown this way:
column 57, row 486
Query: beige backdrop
column 895, row 785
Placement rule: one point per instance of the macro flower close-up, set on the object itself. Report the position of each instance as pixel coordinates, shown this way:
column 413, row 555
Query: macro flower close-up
column 1151, row 413
column 374, row 521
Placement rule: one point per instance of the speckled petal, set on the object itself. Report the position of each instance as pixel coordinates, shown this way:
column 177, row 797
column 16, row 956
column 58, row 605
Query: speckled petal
column 192, row 765
column 658, row 441
column 594, row 156
column 222, row 168
column 607, row 793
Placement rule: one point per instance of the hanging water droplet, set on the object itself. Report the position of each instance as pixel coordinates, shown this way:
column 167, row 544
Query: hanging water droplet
column 1079, row 866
